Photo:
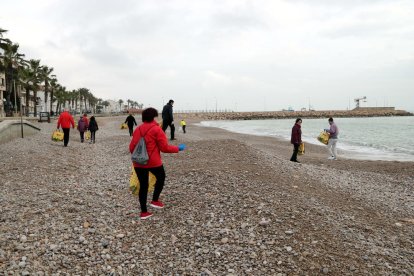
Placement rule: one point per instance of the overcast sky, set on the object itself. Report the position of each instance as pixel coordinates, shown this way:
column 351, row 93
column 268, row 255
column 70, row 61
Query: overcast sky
column 240, row 55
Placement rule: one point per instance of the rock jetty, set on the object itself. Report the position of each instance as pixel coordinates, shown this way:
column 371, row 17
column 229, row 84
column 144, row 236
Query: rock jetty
column 361, row 112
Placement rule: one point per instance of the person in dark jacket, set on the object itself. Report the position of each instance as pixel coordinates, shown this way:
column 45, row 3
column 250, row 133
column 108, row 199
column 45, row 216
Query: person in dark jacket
column 296, row 139
column 82, row 127
column 93, row 127
column 168, row 119
column 156, row 142
column 130, row 121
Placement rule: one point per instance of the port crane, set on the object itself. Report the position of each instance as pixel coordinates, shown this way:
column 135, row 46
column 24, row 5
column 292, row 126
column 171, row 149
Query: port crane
column 358, row 100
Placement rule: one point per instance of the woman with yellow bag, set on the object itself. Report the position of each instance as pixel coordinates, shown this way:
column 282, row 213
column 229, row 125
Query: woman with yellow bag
column 151, row 139
column 296, row 139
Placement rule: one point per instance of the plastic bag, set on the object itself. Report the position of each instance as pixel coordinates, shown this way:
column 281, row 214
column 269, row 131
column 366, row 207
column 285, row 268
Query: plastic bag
column 88, row 135
column 323, row 137
column 134, row 183
column 301, row 149
column 57, row 135
column 124, row 126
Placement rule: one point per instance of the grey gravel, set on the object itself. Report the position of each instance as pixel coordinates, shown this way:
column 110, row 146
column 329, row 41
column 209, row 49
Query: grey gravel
column 234, row 205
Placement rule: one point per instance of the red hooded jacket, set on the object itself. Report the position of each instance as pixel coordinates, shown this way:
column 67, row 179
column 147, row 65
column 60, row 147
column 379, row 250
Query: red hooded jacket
column 155, row 140
column 65, row 120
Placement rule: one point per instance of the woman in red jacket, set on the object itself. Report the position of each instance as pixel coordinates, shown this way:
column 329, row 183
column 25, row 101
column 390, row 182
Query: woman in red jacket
column 296, row 139
column 156, row 142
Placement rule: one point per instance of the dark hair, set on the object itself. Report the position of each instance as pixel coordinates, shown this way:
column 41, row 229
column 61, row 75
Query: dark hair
column 92, row 119
column 170, row 101
column 149, row 114
column 298, row 119
column 84, row 114
column 330, row 119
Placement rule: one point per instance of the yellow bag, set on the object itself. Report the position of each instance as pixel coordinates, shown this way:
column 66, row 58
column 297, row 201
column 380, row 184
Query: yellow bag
column 88, row 135
column 124, row 126
column 323, row 137
column 134, row 183
column 301, row 149
column 57, row 135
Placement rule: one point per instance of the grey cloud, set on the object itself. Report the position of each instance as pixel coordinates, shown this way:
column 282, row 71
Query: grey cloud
column 339, row 3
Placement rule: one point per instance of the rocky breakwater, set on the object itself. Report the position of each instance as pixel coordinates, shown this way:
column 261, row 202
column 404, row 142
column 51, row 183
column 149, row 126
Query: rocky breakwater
column 363, row 112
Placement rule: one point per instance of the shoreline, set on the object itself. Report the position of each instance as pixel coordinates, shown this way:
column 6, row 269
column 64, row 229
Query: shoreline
column 316, row 154
column 346, row 153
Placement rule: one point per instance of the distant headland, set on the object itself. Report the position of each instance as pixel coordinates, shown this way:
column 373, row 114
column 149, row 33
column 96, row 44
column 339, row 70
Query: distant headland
column 357, row 112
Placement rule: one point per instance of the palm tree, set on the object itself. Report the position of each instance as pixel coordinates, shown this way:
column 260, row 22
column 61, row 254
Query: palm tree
column 10, row 62
column 35, row 70
column 61, row 97
column 46, row 76
column 105, row 104
column 53, row 87
column 84, row 93
column 30, row 78
column 120, row 104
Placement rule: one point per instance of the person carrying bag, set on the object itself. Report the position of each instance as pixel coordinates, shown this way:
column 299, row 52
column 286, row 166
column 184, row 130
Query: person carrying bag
column 155, row 142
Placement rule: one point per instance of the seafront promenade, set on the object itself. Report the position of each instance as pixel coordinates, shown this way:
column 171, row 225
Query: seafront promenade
column 235, row 205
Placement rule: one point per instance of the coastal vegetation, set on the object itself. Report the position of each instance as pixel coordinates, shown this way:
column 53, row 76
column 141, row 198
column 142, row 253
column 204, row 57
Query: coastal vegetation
column 25, row 78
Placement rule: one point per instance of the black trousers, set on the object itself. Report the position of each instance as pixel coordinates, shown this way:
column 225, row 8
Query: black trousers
column 93, row 136
column 143, row 177
column 131, row 130
column 82, row 136
column 165, row 125
column 66, row 136
column 184, row 129
column 295, row 153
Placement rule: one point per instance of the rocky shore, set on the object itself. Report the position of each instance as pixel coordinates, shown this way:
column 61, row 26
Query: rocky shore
column 235, row 205
column 362, row 112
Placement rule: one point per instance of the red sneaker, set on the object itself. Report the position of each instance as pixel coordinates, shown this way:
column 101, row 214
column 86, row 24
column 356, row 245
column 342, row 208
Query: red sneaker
column 145, row 215
column 157, row 204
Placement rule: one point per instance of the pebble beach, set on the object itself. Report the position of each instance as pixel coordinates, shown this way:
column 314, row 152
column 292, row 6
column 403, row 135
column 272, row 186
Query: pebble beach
column 234, row 205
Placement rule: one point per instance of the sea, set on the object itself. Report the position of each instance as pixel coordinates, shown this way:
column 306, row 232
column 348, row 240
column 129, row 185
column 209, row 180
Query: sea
column 373, row 138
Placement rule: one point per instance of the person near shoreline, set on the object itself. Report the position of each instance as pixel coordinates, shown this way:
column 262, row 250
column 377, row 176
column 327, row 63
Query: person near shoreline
column 156, row 142
column 64, row 121
column 82, row 127
column 296, row 139
column 333, row 139
column 168, row 119
column 130, row 121
column 93, row 127
column 183, row 125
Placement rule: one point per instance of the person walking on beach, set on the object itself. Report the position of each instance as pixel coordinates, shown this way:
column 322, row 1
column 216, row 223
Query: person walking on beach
column 333, row 139
column 85, row 117
column 82, row 127
column 183, row 125
column 156, row 142
column 168, row 119
column 296, row 139
column 93, row 127
column 64, row 121
column 130, row 121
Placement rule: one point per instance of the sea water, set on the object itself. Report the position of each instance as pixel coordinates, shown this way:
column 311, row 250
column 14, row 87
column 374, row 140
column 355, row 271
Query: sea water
column 374, row 138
